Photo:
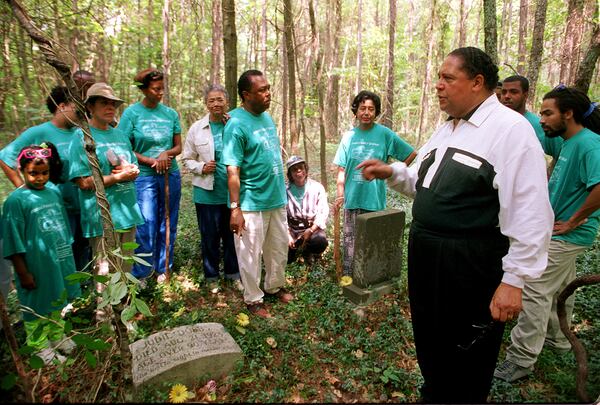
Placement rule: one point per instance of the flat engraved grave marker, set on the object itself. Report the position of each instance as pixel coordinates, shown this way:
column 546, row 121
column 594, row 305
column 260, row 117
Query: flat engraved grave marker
column 184, row 355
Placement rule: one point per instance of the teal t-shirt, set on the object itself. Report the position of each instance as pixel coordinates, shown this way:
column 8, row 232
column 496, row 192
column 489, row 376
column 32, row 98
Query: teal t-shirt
column 122, row 198
column 61, row 138
column 151, row 131
column 551, row 146
column 576, row 171
column 250, row 142
column 298, row 193
column 218, row 195
column 379, row 142
column 35, row 224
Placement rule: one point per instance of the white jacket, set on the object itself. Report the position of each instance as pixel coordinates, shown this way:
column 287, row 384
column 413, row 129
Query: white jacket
column 198, row 149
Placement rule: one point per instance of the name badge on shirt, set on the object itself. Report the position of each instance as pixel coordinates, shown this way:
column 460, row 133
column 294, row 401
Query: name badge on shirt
column 466, row 160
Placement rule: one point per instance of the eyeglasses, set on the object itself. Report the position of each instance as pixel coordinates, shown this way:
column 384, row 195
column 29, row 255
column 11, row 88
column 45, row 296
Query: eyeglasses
column 30, row 153
column 483, row 329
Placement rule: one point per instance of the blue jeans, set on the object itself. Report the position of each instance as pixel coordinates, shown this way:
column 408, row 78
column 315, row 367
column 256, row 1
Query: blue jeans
column 213, row 222
column 151, row 235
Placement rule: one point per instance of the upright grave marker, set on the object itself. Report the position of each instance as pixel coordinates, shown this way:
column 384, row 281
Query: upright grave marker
column 377, row 254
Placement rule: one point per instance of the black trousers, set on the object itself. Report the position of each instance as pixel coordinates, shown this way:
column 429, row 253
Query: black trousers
column 451, row 280
column 315, row 245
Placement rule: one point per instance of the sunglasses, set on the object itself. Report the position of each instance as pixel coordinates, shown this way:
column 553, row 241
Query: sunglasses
column 560, row 87
column 483, row 331
column 43, row 153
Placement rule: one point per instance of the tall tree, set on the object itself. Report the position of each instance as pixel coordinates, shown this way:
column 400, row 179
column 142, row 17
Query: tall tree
column 230, row 50
column 585, row 71
column 428, row 56
column 357, row 83
column 288, row 22
column 523, row 9
column 263, row 37
column 572, row 41
column 166, row 19
column 462, row 24
column 490, row 29
column 388, row 108
column 537, row 49
column 216, row 49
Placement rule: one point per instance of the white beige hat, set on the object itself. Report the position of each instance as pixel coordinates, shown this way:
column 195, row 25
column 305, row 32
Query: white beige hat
column 102, row 90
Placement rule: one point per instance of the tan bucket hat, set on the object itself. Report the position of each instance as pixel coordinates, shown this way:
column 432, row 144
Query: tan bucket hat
column 102, row 90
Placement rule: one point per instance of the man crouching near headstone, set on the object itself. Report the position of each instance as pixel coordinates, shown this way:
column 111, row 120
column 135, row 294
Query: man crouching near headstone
column 481, row 228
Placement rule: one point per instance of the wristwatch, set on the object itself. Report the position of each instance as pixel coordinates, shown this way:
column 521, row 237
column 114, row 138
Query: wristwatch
column 234, row 205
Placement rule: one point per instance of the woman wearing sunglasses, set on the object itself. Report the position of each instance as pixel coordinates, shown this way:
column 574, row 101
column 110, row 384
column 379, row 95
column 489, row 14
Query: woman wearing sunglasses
column 155, row 133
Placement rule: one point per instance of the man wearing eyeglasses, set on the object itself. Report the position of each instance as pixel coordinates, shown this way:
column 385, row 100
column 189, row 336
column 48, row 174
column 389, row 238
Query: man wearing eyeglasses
column 481, row 228
column 60, row 131
column 575, row 197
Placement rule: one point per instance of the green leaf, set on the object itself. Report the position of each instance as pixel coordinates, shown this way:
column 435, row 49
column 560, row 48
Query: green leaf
column 25, row 350
column 115, row 277
column 143, row 254
column 117, row 293
column 130, row 246
column 127, row 313
column 132, row 278
column 36, row 362
column 142, row 307
column 140, row 261
column 68, row 327
column 240, row 329
column 8, row 381
column 90, row 359
column 78, row 276
column 101, row 279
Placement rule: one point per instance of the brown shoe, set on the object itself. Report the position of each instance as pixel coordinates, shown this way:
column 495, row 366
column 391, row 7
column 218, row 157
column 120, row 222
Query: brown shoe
column 259, row 310
column 282, row 295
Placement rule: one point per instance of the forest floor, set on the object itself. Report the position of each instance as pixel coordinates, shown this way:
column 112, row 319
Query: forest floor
column 318, row 348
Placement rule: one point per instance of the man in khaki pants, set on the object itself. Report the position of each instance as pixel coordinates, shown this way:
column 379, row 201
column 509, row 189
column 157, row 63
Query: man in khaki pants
column 575, row 198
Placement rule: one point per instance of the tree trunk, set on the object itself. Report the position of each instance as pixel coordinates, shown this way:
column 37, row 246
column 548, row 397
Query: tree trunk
column 462, row 25
column 537, row 48
column 288, row 22
column 333, row 88
column 263, row 37
column 165, row 51
column 523, row 9
column 217, row 33
column 572, row 41
column 425, row 94
column 284, row 95
column 490, row 29
column 230, row 50
column 357, row 83
column 585, row 71
column 388, row 108
column 508, row 29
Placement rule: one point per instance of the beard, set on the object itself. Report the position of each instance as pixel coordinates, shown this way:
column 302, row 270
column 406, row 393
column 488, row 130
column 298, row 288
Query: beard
column 555, row 132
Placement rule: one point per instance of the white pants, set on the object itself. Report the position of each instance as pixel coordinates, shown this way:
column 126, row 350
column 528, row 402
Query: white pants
column 266, row 234
column 538, row 321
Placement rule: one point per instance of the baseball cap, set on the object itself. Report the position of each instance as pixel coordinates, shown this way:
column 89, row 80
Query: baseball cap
column 294, row 160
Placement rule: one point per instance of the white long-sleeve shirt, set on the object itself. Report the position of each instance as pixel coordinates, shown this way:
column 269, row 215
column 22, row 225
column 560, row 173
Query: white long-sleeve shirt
column 495, row 149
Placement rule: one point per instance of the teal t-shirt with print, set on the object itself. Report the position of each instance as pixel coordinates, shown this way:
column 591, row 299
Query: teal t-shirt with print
column 576, row 171
column 151, row 132
column 61, row 138
column 124, row 208
column 378, row 142
column 218, row 195
column 251, row 143
column 551, row 146
column 35, row 225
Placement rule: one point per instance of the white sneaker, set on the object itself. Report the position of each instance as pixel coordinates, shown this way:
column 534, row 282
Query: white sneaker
column 237, row 284
column 64, row 345
column 162, row 278
column 213, row 287
column 48, row 355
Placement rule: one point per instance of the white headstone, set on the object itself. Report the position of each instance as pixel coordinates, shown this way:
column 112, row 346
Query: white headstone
column 184, row 355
